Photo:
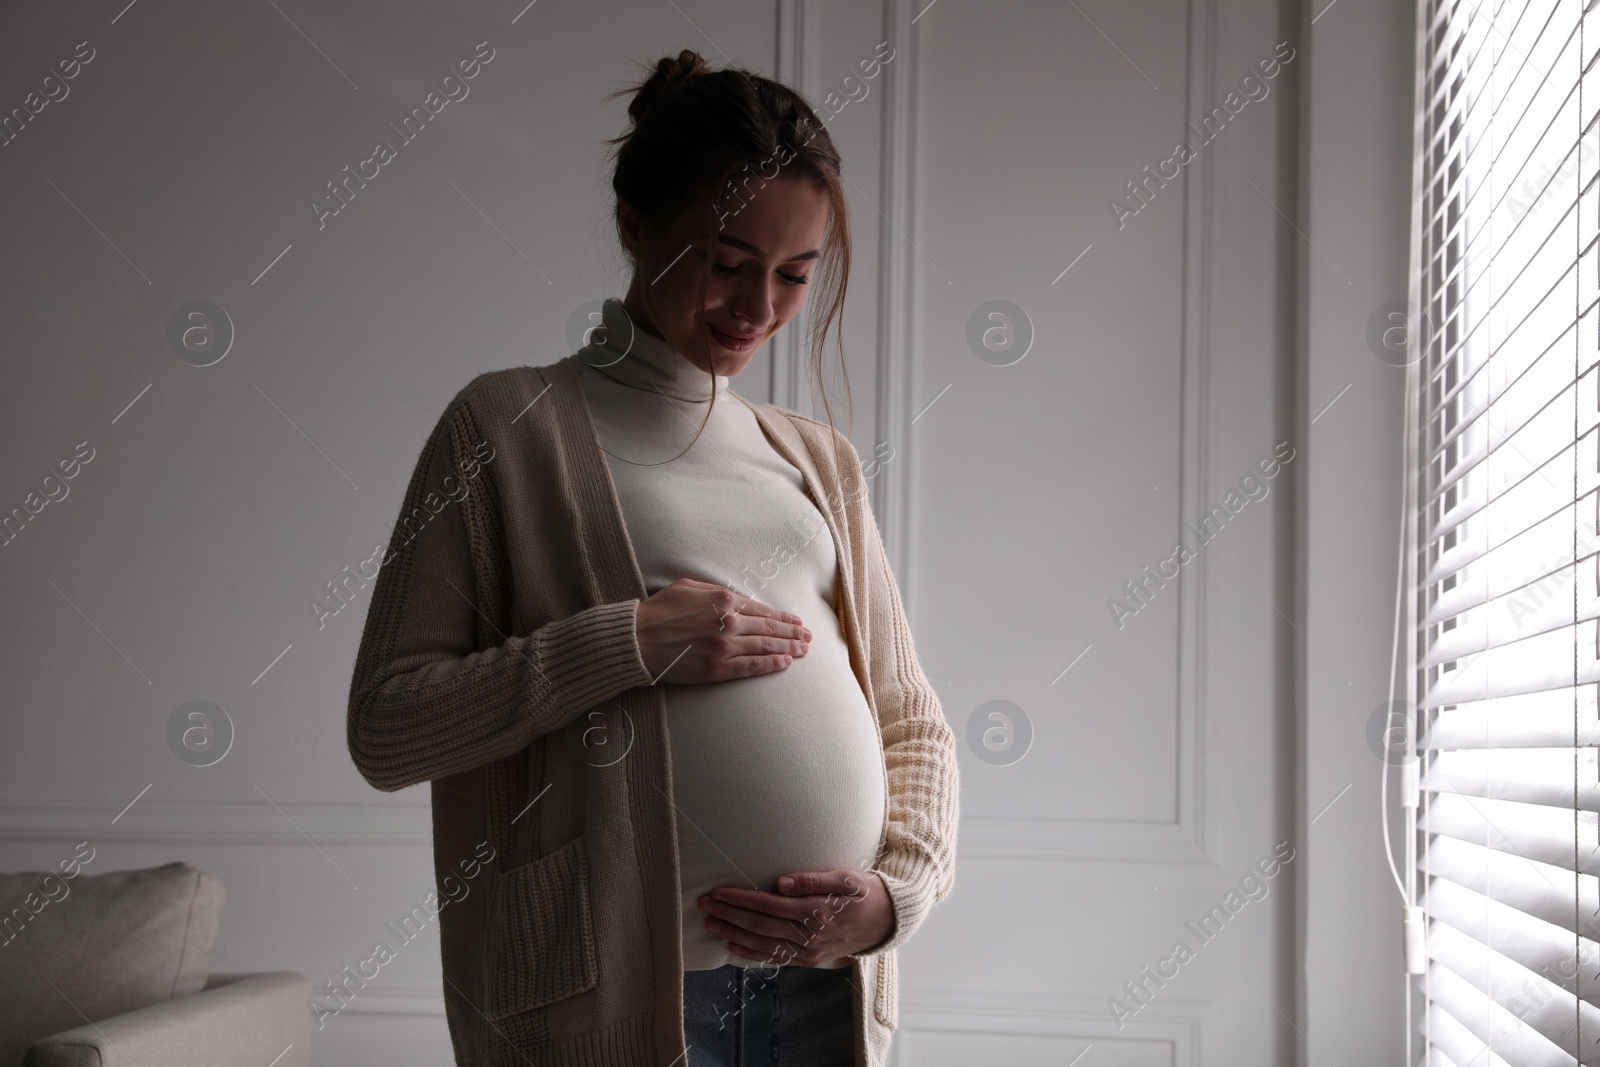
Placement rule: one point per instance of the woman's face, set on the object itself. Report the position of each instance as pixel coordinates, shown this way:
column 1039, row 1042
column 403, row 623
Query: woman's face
column 763, row 257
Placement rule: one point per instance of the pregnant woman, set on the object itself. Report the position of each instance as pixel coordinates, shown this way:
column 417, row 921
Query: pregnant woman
column 641, row 636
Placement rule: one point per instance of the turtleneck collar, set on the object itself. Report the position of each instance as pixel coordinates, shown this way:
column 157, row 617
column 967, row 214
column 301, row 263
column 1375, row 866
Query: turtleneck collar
column 627, row 354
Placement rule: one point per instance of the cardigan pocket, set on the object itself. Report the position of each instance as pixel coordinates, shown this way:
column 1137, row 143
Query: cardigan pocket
column 539, row 937
column 885, row 1002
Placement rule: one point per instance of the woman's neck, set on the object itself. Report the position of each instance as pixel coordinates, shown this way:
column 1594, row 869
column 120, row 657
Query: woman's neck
column 627, row 349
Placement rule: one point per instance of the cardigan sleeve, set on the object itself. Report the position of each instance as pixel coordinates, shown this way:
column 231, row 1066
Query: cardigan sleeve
column 428, row 698
column 917, row 861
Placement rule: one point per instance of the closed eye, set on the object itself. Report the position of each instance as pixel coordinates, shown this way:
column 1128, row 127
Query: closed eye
column 788, row 279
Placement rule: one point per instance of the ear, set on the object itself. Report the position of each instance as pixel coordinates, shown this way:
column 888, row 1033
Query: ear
column 630, row 228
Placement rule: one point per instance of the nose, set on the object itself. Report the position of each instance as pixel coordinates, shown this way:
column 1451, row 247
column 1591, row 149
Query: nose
column 753, row 303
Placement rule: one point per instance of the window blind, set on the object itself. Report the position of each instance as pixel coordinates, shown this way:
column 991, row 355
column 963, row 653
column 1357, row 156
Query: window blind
column 1504, row 587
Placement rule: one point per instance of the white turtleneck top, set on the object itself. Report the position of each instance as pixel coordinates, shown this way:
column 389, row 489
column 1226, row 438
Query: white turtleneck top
column 774, row 774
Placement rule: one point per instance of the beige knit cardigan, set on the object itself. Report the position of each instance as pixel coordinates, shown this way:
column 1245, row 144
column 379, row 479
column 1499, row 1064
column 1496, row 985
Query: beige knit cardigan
column 499, row 661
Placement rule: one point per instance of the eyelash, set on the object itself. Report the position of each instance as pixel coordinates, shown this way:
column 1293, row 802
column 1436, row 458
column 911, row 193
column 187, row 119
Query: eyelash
column 788, row 279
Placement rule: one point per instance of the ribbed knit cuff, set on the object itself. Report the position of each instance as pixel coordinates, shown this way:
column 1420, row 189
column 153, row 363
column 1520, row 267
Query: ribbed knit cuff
column 591, row 656
column 912, row 900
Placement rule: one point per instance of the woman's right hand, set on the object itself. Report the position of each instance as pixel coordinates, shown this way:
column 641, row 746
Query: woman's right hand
column 700, row 632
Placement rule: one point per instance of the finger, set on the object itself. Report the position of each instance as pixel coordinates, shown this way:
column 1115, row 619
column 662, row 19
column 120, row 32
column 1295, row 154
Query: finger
column 725, row 613
column 767, row 952
column 800, row 929
column 775, row 950
column 753, row 607
column 753, row 900
column 807, row 949
column 782, row 625
column 774, row 954
column 762, row 930
column 818, row 883
column 784, row 906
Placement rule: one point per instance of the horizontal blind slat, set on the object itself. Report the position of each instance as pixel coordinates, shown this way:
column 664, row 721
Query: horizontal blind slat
column 1532, row 831
column 1528, row 720
column 1522, row 426
column 1542, row 963
column 1511, row 1040
column 1547, row 776
column 1535, row 609
column 1541, row 890
column 1544, row 661
column 1477, row 573
column 1460, row 1044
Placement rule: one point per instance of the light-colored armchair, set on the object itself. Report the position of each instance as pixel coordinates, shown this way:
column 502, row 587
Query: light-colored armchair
column 112, row 969
column 238, row 1020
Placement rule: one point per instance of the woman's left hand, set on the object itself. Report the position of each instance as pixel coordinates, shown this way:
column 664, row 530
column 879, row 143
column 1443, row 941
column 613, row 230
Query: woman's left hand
column 825, row 915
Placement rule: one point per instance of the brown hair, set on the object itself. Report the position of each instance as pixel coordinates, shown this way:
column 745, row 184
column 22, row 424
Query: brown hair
column 697, row 132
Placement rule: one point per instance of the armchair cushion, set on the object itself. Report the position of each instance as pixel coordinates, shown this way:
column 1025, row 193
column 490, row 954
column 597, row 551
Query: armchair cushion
column 250, row 1020
column 79, row 949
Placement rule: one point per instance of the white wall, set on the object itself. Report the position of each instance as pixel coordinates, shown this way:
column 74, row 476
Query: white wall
column 1355, row 182
column 1177, row 750
column 1161, row 763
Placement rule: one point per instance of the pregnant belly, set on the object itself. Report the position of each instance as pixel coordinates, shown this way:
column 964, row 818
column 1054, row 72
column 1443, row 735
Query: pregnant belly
column 771, row 775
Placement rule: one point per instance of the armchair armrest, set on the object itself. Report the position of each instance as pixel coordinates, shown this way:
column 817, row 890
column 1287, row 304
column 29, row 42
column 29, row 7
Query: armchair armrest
column 238, row 1020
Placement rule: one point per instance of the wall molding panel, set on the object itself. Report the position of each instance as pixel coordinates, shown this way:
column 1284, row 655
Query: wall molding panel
column 210, row 823
column 1069, row 1018
column 1183, row 840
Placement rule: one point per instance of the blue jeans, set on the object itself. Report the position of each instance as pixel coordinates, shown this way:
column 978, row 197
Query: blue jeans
column 789, row 1016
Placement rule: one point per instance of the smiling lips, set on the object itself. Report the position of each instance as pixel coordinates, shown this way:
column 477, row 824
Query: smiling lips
column 737, row 342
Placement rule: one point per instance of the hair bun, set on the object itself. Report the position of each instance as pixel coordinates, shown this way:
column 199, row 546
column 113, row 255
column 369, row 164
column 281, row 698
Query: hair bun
column 670, row 73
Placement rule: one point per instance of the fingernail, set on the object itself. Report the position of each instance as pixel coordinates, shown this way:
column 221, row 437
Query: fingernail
column 805, row 633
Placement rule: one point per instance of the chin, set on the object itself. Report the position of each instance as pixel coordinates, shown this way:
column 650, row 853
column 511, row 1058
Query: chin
column 731, row 363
